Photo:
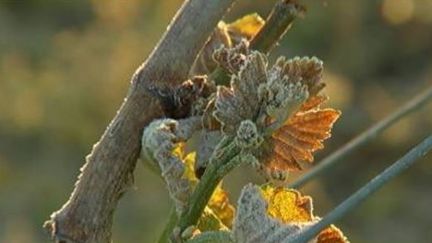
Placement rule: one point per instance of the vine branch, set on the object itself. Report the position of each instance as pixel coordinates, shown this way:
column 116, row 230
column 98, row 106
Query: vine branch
column 108, row 172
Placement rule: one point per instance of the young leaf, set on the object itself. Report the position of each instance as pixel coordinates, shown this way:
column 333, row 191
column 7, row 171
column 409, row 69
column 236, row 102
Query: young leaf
column 227, row 35
column 284, row 103
column 272, row 215
column 161, row 146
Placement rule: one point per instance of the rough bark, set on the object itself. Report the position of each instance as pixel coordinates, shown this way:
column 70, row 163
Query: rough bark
column 108, row 172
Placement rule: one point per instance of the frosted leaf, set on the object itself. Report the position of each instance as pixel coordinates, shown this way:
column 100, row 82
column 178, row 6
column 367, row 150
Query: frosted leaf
column 227, row 35
column 231, row 59
column 283, row 101
column 247, row 135
column 253, row 224
column 241, row 101
column 158, row 143
column 273, row 215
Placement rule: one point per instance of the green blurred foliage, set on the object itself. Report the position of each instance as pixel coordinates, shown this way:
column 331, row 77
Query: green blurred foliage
column 64, row 70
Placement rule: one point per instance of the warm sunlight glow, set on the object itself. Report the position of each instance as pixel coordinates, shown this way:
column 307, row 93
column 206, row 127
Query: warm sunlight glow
column 397, row 11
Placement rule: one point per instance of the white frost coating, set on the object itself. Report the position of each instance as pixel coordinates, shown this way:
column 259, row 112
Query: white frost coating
column 252, row 224
column 158, row 142
column 247, row 135
column 283, row 93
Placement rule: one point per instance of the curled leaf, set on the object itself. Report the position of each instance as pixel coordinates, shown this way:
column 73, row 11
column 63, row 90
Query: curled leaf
column 160, row 146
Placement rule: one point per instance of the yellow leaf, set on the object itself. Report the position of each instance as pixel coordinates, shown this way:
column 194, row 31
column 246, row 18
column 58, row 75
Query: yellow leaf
column 277, row 214
column 287, row 205
column 189, row 161
column 247, row 26
column 178, row 150
column 220, row 205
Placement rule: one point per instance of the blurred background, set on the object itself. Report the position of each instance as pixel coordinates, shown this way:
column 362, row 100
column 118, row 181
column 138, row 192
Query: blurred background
column 65, row 68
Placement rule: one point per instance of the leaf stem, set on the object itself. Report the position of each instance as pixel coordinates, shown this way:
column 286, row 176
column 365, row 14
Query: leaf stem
column 366, row 191
column 169, row 227
column 216, row 170
column 335, row 157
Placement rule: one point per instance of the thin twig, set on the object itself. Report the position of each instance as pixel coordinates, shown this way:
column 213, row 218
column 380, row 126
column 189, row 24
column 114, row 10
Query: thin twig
column 414, row 104
column 366, row 191
column 277, row 24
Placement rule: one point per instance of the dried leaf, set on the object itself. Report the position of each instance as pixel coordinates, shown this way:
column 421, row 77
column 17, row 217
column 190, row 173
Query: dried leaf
column 331, row 235
column 180, row 101
column 298, row 138
column 303, row 131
